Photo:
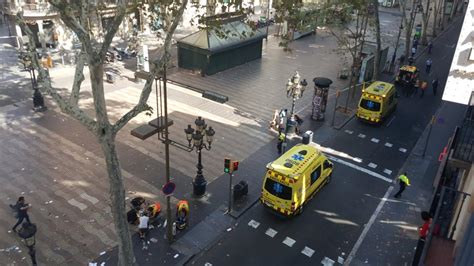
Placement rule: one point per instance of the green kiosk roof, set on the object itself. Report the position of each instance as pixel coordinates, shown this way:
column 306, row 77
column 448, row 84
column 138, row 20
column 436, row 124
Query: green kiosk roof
column 238, row 34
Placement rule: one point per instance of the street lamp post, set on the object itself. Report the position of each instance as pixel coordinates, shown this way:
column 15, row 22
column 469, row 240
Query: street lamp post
column 38, row 100
column 196, row 142
column 294, row 90
column 28, row 232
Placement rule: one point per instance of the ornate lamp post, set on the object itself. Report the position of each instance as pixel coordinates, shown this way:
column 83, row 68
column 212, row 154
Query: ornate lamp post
column 196, row 142
column 294, row 90
column 28, row 232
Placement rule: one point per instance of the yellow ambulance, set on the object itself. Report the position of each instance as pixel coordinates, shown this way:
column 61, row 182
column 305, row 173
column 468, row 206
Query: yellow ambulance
column 377, row 102
column 294, row 178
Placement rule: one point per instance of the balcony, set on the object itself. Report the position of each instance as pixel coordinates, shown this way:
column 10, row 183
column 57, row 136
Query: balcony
column 30, row 10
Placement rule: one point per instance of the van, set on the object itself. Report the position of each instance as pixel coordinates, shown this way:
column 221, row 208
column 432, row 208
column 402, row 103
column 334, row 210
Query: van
column 377, row 102
column 294, row 178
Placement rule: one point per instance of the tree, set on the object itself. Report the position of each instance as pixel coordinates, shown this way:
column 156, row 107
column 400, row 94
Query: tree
column 375, row 3
column 425, row 14
column 348, row 24
column 76, row 15
column 407, row 24
column 436, row 9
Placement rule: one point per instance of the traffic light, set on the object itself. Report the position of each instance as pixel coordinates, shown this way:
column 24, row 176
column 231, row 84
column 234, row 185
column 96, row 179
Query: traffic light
column 235, row 165
column 227, row 165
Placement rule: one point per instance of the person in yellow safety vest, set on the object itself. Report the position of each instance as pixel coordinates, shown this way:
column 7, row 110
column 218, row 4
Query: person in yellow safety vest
column 404, row 182
column 281, row 139
column 182, row 213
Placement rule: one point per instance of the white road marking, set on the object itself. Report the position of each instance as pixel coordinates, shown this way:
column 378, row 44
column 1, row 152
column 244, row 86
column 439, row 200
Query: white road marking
column 388, row 144
column 254, row 224
column 327, row 261
column 362, row 136
column 357, row 159
column 307, row 251
column 289, row 242
column 375, row 140
column 349, row 131
column 388, row 172
column 390, row 122
column 77, row 204
column 271, row 233
column 367, row 171
column 207, row 264
column 372, row 165
column 89, row 198
column 367, row 226
column 340, row 260
column 403, row 150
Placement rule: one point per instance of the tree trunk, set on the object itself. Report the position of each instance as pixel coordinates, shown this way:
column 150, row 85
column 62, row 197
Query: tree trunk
column 379, row 41
column 424, row 22
column 409, row 28
column 117, row 195
column 107, row 141
column 435, row 18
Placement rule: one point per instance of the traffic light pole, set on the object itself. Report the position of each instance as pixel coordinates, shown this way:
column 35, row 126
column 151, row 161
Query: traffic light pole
column 230, row 193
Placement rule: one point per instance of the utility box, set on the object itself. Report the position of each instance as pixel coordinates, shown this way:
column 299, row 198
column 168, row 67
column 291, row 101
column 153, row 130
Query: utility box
column 308, row 137
column 241, row 189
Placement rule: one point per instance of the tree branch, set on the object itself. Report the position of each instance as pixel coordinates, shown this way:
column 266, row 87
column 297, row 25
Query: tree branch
column 159, row 64
column 78, row 79
column 121, row 7
column 68, row 17
column 45, row 81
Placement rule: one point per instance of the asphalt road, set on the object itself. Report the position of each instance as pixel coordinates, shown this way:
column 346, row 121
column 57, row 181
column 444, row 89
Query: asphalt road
column 335, row 217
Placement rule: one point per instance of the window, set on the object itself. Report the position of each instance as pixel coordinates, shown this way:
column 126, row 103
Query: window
column 370, row 105
column 315, row 174
column 278, row 189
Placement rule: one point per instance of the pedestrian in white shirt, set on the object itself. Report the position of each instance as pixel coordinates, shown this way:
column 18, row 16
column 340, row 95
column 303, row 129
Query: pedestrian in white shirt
column 143, row 224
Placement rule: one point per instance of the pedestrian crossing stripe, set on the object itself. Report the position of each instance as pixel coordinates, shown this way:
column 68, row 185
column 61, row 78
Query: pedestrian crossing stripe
column 271, row 233
column 375, row 140
column 308, row 252
column 388, row 172
column 289, row 242
column 372, row 165
column 361, row 136
column 253, row 224
column 403, row 150
column 388, row 144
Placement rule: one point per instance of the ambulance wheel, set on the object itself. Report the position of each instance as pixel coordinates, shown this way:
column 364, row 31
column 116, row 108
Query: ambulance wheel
column 328, row 179
column 300, row 211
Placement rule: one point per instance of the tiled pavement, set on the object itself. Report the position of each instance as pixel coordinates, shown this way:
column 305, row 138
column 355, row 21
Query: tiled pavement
column 41, row 154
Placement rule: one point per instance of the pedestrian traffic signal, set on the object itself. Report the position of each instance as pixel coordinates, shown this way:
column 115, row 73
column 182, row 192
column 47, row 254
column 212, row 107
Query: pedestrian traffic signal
column 227, row 165
column 235, row 165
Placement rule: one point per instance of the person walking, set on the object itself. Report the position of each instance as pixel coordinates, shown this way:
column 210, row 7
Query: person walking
column 434, row 85
column 411, row 60
column 416, row 86
column 415, row 43
column 413, row 51
column 22, row 209
column 430, row 47
column 403, row 181
column 429, row 62
column 423, row 87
